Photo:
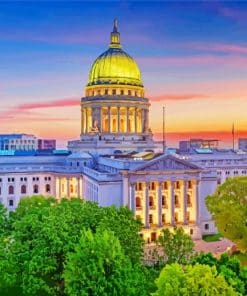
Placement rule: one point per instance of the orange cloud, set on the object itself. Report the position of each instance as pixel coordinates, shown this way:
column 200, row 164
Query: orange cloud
column 24, row 109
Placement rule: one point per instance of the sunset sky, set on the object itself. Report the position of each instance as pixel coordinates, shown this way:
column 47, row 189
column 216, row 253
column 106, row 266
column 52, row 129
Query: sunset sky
column 192, row 55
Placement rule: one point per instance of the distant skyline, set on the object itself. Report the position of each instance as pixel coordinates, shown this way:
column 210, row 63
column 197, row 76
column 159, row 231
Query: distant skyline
column 192, row 55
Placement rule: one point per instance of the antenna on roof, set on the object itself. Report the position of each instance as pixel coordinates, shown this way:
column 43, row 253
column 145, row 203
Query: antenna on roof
column 163, row 134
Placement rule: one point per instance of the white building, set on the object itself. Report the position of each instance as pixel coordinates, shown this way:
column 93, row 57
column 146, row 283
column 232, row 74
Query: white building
column 116, row 160
column 11, row 142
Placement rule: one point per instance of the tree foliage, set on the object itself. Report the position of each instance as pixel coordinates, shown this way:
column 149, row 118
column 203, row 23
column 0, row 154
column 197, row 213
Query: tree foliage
column 229, row 267
column 99, row 267
column 44, row 231
column 197, row 280
column 228, row 206
column 122, row 223
column 177, row 246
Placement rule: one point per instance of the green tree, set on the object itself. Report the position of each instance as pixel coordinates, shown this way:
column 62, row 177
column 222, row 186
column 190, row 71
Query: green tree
column 42, row 235
column 4, row 221
column 176, row 245
column 229, row 267
column 99, row 267
column 127, row 229
column 44, row 231
column 197, row 280
column 228, row 206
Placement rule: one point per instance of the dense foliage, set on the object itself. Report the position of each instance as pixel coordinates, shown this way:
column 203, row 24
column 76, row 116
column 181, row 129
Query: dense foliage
column 228, row 206
column 99, row 267
column 73, row 247
column 174, row 280
column 44, row 232
column 177, row 246
column 227, row 266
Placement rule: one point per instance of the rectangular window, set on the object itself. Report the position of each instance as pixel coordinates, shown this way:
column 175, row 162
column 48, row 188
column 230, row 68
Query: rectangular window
column 11, row 202
column 151, row 219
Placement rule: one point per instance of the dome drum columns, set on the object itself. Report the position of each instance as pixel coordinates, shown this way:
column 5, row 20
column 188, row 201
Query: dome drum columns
column 114, row 119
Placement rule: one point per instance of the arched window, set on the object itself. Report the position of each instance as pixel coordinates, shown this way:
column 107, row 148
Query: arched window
column 177, row 185
column 164, row 185
column 35, row 188
column 188, row 200
column 151, row 201
column 11, row 189
column 138, row 202
column 48, row 188
column 164, row 201
column 23, row 189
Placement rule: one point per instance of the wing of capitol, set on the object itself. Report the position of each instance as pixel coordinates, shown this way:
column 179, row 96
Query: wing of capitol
column 117, row 162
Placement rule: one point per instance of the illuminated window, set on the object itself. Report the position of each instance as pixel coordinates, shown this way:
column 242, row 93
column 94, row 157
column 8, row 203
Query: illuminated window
column 151, row 201
column 138, row 202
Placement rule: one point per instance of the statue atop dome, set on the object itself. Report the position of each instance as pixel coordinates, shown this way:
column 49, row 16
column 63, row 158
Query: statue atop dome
column 115, row 36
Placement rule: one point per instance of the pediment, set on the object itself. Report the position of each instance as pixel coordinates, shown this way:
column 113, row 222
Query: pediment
column 166, row 163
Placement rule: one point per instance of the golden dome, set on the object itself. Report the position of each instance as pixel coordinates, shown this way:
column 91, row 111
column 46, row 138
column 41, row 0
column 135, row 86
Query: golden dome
column 115, row 66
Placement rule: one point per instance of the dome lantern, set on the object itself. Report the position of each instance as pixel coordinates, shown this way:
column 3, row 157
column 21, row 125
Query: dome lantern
column 115, row 37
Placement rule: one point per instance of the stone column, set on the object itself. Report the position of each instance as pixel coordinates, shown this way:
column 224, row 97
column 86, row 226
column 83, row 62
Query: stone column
column 147, row 120
column 109, row 119
column 82, row 120
column 172, row 201
column 86, row 115
column 59, row 188
column 68, row 189
column 147, row 205
column 136, row 113
column 132, row 197
column 160, row 224
column 143, row 121
column 78, row 187
column 197, row 199
column 127, row 120
column 125, row 190
column 118, row 117
column 185, row 202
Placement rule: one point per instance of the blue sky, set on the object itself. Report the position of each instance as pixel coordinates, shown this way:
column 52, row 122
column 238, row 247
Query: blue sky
column 192, row 56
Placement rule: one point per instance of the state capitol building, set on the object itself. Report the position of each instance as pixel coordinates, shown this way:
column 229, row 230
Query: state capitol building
column 117, row 162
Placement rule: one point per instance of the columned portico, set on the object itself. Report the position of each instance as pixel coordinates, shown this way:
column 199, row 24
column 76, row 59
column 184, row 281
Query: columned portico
column 172, row 201
column 146, row 205
column 160, row 224
column 185, row 202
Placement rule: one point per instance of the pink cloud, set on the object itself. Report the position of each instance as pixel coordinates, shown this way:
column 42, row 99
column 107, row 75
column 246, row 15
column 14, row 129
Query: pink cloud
column 194, row 60
column 27, row 109
column 220, row 47
column 52, row 104
column 177, row 97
